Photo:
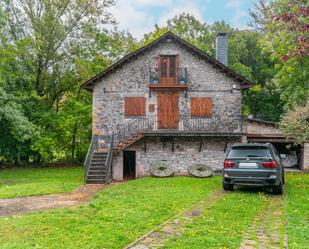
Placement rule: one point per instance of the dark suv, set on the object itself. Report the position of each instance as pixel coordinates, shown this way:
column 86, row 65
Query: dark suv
column 254, row 165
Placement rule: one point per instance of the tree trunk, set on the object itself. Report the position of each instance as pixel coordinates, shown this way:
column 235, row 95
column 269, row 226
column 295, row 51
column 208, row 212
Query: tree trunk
column 74, row 141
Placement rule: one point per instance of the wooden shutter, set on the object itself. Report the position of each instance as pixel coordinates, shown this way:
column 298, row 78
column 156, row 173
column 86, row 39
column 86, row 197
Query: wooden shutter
column 135, row 106
column 201, row 106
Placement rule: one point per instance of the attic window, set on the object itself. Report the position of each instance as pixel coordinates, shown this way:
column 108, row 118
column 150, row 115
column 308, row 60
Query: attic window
column 201, row 107
column 134, row 106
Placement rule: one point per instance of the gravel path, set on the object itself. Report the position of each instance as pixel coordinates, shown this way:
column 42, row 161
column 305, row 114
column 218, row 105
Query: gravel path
column 31, row 204
column 175, row 226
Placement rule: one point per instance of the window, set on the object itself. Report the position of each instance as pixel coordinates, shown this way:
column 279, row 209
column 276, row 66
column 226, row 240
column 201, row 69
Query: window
column 201, row 106
column 249, row 151
column 135, row 106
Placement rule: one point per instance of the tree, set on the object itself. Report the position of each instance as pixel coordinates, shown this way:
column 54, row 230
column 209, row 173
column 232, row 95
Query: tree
column 285, row 37
column 295, row 124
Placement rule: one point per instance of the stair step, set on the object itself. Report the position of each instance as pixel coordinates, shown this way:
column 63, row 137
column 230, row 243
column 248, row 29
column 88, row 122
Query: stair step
column 99, row 157
column 96, row 177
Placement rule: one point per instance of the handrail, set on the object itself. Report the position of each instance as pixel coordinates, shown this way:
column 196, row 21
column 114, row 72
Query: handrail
column 88, row 159
column 109, row 160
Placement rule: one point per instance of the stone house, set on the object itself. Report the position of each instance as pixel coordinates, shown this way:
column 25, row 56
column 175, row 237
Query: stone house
column 168, row 103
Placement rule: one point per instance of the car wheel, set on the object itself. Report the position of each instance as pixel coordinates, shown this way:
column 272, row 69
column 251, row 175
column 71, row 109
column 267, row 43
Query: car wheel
column 228, row 187
column 278, row 190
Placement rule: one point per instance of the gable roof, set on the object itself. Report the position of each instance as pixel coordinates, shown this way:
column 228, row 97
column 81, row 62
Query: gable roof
column 244, row 83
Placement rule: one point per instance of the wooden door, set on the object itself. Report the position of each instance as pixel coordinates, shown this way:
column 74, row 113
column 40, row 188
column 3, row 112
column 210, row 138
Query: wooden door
column 168, row 69
column 168, row 110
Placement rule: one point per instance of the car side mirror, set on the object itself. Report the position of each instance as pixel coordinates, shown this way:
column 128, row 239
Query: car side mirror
column 282, row 156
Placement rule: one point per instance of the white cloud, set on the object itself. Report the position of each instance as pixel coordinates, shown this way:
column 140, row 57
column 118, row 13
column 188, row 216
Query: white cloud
column 137, row 17
column 236, row 21
column 183, row 7
column 132, row 18
column 154, row 2
column 233, row 4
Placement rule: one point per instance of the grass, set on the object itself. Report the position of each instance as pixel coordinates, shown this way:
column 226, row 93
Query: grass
column 118, row 215
column 39, row 181
column 297, row 209
column 223, row 225
column 114, row 218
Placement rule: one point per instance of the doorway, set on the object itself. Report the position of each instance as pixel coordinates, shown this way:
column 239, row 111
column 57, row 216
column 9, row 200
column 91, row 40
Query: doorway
column 168, row 69
column 168, row 110
column 129, row 165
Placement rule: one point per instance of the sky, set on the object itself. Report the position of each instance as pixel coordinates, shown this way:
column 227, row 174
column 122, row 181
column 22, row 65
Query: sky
column 140, row 16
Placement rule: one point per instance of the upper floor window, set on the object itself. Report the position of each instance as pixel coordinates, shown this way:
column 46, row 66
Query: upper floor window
column 135, row 106
column 201, row 106
column 168, row 69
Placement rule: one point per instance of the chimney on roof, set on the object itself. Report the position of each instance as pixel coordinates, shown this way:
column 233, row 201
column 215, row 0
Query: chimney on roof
column 222, row 48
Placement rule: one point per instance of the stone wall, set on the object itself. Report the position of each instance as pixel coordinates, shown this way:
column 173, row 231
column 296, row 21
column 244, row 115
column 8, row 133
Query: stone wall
column 132, row 79
column 186, row 152
column 254, row 127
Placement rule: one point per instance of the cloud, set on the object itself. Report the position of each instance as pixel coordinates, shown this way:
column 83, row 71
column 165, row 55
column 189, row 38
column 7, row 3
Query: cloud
column 183, row 7
column 233, row 4
column 154, row 2
column 131, row 17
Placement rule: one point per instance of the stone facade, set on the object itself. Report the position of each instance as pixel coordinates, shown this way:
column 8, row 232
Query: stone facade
column 132, row 80
column 186, row 152
column 254, row 127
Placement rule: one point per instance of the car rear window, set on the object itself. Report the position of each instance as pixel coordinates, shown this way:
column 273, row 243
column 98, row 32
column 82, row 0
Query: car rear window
column 250, row 151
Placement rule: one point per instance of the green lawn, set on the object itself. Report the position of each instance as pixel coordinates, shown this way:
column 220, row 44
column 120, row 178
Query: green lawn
column 118, row 215
column 115, row 217
column 297, row 207
column 39, row 181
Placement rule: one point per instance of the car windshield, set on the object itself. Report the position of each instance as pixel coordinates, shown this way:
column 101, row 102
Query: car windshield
column 250, row 151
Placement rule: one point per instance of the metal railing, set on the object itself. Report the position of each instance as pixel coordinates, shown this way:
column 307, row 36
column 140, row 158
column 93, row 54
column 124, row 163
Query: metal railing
column 109, row 160
column 190, row 124
column 184, row 123
column 182, row 76
column 89, row 157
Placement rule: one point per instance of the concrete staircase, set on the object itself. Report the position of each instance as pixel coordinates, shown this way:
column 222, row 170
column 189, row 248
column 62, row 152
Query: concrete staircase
column 97, row 172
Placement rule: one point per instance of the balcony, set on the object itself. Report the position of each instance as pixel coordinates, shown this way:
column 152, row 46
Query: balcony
column 163, row 80
column 184, row 125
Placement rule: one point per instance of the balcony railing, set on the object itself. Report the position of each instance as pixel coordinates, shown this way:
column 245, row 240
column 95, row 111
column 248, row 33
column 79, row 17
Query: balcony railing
column 217, row 124
column 181, row 79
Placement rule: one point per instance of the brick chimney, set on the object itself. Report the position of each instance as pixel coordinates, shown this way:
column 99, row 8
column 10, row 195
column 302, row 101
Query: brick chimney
column 222, row 48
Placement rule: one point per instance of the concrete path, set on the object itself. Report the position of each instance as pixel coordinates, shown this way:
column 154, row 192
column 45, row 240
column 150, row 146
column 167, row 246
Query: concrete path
column 38, row 203
column 175, row 226
column 267, row 229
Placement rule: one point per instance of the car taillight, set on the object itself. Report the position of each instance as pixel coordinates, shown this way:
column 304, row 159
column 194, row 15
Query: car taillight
column 269, row 165
column 228, row 164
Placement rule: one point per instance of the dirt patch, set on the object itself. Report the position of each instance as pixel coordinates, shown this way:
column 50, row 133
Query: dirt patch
column 38, row 203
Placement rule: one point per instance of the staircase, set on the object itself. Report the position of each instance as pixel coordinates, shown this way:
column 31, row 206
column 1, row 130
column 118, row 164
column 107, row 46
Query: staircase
column 97, row 169
column 98, row 164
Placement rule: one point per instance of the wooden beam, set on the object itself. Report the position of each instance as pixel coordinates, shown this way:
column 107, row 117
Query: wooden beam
column 201, row 144
column 225, row 145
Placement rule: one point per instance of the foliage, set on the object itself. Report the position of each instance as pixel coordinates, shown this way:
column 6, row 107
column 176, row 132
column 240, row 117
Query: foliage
column 285, row 38
column 39, row 181
column 111, row 219
column 47, row 49
column 295, row 124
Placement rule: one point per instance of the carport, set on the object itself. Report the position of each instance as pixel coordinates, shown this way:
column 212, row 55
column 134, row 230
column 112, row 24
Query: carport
column 268, row 132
